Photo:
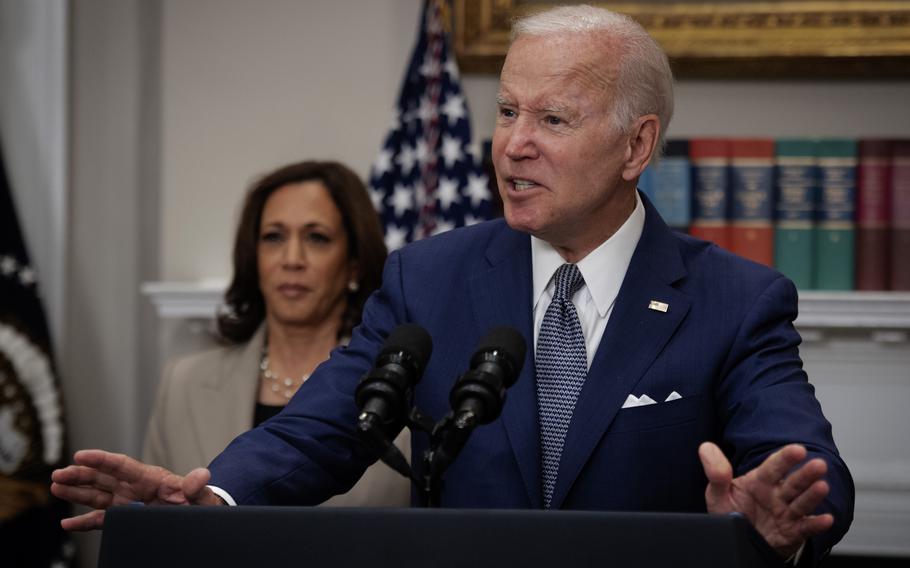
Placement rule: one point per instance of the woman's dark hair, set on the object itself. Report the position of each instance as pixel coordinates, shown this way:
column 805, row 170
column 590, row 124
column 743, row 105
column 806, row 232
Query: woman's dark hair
column 244, row 306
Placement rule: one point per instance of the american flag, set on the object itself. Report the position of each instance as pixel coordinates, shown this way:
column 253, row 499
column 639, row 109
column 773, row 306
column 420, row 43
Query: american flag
column 429, row 176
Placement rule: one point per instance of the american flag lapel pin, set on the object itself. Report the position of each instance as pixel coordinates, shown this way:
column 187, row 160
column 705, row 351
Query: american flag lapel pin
column 658, row 306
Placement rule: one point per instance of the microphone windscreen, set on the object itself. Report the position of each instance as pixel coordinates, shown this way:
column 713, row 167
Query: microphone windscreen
column 506, row 340
column 413, row 340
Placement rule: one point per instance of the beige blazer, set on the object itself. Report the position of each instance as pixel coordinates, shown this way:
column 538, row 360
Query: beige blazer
column 207, row 399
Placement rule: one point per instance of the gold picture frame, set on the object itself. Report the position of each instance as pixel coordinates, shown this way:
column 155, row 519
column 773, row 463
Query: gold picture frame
column 762, row 39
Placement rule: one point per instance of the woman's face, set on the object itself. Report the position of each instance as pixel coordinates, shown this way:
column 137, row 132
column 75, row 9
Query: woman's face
column 302, row 257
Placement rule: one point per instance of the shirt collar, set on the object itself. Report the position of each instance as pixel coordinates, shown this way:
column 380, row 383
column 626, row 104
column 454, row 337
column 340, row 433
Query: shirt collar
column 603, row 269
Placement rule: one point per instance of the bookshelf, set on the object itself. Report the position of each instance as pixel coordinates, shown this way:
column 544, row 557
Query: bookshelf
column 856, row 350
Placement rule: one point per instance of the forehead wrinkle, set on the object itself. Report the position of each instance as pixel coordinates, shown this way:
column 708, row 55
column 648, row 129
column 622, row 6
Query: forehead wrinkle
column 595, row 66
column 583, row 73
column 592, row 75
column 546, row 101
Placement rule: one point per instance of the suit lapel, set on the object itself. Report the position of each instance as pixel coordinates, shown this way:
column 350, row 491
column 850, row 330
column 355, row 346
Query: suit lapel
column 222, row 407
column 501, row 295
column 632, row 340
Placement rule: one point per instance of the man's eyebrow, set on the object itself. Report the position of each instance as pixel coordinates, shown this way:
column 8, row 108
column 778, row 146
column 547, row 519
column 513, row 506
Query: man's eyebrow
column 555, row 107
column 552, row 107
column 546, row 107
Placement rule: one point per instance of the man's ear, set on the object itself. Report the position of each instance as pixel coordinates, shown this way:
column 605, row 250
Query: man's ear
column 642, row 146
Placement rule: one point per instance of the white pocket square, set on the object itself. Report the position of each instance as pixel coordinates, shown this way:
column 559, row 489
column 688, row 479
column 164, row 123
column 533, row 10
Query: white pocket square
column 632, row 401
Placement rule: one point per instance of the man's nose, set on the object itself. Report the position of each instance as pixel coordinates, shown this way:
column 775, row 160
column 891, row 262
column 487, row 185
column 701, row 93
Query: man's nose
column 522, row 140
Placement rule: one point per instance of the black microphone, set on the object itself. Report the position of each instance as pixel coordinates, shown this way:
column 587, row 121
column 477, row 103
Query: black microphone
column 383, row 394
column 479, row 394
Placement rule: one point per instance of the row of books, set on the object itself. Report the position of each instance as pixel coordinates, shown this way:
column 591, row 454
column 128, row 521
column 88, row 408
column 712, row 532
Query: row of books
column 831, row 214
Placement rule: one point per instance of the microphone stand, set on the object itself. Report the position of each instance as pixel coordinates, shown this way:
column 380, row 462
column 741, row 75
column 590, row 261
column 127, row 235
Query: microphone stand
column 447, row 437
column 476, row 398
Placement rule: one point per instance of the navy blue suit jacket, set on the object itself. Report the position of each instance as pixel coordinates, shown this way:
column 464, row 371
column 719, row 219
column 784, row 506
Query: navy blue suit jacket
column 726, row 345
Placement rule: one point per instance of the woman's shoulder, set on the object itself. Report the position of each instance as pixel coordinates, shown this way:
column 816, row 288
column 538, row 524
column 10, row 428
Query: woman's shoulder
column 213, row 356
column 214, row 362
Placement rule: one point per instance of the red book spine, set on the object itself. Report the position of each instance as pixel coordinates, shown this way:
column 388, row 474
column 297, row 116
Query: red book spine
column 900, row 216
column 752, row 199
column 873, row 209
column 710, row 158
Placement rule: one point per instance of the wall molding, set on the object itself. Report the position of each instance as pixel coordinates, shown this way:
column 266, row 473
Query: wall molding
column 852, row 310
column 185, row 300
column 822, row 310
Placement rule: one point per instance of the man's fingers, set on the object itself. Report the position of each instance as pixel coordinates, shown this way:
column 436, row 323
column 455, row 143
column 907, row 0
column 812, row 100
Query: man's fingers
column 191, row 489
column 195, row 481
column 775, row 468
column 816, row 524
column 720, row 475
column 196, row 490
column 74, row 475
column 717, row 466
column 806, row 502
column 797, row 482
column 88, row 521
column 118, row 466
column 98, row 459
column 87, row 496
column 78, row 475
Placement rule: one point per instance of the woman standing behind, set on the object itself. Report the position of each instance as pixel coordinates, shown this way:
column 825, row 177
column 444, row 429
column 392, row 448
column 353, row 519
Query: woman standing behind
column 308, row 252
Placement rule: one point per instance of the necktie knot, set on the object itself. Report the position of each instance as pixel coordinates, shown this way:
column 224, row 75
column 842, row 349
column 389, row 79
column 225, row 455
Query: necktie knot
column 568, row 281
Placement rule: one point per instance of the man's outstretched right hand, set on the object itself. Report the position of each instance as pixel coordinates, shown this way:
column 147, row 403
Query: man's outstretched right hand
column 99, row 479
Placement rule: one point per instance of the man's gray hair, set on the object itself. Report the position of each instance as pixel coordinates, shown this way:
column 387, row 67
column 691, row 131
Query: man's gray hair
column 645, row 81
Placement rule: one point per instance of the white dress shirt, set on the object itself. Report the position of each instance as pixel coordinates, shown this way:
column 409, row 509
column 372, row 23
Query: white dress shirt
column 603, row 270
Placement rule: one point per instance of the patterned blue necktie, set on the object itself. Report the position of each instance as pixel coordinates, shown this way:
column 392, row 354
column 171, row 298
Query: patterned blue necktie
column 562, row 366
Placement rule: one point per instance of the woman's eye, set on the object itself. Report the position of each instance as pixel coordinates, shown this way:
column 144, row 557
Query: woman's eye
column 272, row 237
column 318, row 238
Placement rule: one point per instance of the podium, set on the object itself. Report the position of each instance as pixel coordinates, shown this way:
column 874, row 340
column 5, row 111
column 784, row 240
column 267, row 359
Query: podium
column 137, row 536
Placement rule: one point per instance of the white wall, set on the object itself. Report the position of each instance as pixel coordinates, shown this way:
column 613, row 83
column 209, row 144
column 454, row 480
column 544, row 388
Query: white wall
column 249, row 86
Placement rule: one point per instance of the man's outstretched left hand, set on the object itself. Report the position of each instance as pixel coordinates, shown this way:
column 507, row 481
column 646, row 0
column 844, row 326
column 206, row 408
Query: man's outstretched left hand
column 776, row 498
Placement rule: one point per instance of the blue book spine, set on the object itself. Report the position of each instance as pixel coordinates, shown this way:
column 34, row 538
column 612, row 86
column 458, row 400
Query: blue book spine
column 673, row 185
column 646, row 183
column 710, row 159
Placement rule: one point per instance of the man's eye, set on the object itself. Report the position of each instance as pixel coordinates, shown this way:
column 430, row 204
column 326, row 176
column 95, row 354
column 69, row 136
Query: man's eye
column 553, row 120
column 506, row 112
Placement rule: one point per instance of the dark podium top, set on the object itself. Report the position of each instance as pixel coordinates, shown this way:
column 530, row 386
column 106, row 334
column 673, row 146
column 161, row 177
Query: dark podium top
column 139, row 536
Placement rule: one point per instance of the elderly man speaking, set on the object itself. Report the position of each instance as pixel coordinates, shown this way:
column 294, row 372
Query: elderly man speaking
column 664, row 375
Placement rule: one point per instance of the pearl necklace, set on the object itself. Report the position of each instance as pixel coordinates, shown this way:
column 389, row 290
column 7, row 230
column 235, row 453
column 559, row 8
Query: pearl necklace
column 282, row 385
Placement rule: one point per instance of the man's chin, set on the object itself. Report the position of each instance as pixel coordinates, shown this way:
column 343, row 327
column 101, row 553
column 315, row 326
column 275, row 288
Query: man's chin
column 520, row 224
